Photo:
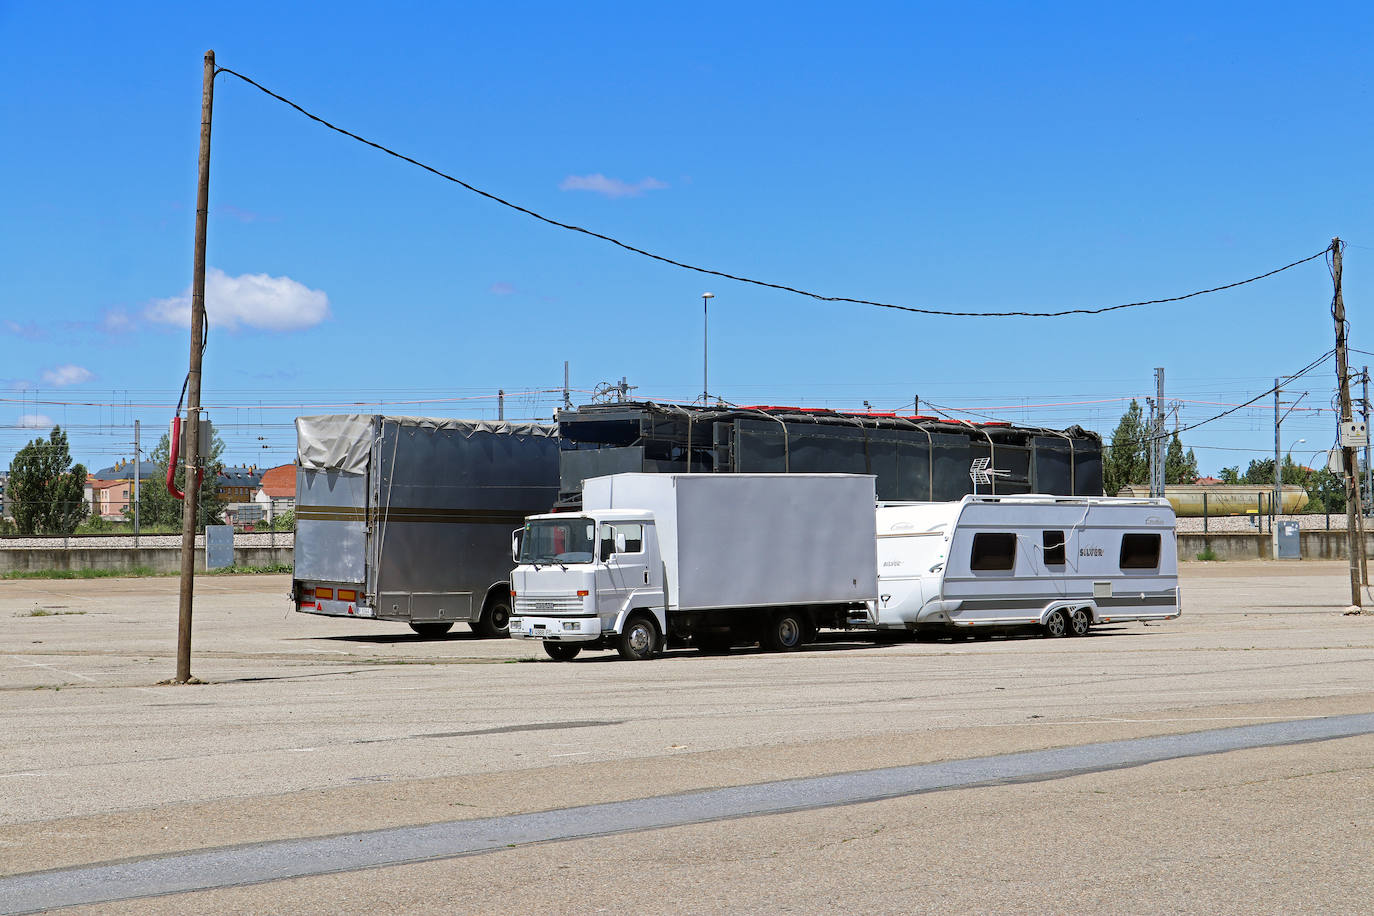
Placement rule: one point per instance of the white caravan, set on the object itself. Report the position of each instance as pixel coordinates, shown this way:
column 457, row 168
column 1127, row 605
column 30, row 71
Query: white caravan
column 1062, row 563
column 704, row 560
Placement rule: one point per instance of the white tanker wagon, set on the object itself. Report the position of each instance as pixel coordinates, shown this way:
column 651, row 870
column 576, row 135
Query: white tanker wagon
column 1060, row 563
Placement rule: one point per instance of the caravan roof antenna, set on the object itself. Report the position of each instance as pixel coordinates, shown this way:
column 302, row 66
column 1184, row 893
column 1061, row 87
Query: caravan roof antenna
column 980, row 472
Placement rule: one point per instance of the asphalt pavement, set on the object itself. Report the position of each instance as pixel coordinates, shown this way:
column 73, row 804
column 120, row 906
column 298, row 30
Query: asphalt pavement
column 314, row 727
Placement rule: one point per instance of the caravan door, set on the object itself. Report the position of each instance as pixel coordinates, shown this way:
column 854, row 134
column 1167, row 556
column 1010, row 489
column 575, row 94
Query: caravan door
column 909, row 568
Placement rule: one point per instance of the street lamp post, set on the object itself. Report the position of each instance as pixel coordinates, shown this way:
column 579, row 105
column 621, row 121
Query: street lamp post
column 1278, row 478
column 705, row 389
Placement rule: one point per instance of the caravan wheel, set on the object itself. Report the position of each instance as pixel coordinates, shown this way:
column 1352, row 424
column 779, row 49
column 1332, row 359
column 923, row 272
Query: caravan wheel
column 1080, row 622
column 1057, row 625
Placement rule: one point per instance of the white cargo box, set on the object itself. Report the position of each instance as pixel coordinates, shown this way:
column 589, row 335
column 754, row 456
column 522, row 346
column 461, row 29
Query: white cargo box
column 754, row 540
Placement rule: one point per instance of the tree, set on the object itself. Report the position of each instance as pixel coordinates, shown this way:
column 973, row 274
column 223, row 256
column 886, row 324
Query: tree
column 1128, row 457
column 1179, row 467
column 1325, row 492
column 47, row 489
column 159, row 509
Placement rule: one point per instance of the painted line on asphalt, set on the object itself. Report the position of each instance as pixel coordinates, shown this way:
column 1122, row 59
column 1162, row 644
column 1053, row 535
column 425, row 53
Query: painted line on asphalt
column 279, row 860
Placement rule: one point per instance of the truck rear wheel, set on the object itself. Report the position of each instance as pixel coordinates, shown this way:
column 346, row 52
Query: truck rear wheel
column 431, row 630
column 495, row 621
column 639, row 639
column 562, row 651
column 785, row 633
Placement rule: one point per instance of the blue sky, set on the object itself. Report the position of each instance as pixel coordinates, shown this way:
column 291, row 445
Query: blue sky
column 987, row 156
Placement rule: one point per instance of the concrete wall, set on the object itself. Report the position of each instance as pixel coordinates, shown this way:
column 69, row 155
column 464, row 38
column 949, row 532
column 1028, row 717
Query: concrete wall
column 1316, row 545
column 159, row 559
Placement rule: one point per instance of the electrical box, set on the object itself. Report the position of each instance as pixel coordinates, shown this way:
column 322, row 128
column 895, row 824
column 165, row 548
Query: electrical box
column 204, row 441
column 1354, row 434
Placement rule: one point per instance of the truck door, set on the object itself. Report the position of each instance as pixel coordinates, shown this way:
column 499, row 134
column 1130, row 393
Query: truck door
column 627, row 564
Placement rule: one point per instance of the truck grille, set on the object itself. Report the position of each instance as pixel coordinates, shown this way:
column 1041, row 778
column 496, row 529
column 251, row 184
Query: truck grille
column 543, row 605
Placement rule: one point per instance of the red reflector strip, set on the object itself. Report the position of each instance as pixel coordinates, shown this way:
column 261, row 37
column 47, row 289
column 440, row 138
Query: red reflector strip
column 347, row 594
column 582, row 593
column 324, row 593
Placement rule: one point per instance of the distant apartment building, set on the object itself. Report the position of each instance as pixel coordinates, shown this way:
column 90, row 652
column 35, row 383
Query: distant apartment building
column 110, row 491
column 277, row 491
column 239, row 484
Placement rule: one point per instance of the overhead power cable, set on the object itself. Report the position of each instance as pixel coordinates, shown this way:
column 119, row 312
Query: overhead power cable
column 1263, row 394
column 728, row 276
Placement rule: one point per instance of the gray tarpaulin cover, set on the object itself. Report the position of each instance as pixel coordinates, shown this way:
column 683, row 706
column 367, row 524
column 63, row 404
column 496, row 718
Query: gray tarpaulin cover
column 341, row 442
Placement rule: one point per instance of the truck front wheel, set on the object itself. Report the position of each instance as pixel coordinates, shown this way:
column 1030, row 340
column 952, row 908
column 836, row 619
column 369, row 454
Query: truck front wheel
column 786, row 632
column 638, row 640
column 562, row 651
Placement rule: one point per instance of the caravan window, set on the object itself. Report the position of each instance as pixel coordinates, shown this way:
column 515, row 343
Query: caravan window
column 1139, row 551
column 993, row 550
column 1052, row 542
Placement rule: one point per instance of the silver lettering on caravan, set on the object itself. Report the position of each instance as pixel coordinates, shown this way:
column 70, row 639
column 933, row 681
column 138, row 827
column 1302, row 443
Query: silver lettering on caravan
column 1090, row 551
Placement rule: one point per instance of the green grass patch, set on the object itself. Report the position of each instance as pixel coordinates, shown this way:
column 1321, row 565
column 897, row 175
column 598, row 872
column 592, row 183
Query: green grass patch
column 48, row 612
column 249, row 570
column 138, row 572
column 80, row 573
column 1207, row 554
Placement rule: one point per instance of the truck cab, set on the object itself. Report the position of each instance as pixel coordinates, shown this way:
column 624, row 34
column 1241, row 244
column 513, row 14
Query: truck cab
column 591, row 580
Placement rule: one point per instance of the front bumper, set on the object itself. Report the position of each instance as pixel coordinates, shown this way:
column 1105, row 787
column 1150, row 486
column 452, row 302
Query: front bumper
column 558, row 629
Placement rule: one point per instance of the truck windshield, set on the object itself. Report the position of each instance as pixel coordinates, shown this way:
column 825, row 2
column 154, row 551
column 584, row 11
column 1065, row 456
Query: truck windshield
column 562, row 540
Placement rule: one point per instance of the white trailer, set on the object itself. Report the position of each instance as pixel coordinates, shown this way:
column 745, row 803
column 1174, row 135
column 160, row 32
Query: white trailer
column 1061, row 563
column 707, row 560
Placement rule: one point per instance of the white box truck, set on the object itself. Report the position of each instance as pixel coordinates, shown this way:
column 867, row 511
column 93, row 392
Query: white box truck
column 707, row 560
column 1060, row 563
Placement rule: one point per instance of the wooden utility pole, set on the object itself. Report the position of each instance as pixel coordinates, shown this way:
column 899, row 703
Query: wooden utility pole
column 1352, row 491
column 191, row 440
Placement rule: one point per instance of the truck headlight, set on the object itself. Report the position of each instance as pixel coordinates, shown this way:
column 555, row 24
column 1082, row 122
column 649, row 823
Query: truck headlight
column 515, row 623
column 572, row 625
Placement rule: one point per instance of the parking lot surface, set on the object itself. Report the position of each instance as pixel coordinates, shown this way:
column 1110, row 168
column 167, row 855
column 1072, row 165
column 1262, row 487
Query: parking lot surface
column 311, row 726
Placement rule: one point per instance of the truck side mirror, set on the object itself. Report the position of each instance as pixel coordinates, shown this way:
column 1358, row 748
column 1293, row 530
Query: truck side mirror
column 517, row 538
column 620, row 542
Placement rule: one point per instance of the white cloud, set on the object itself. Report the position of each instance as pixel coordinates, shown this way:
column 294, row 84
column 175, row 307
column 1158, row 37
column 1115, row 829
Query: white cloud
column 29, row 330
column 501, row 288
column 35, row 421
column 248, row 300
column 116, row 321
column 611, row 187
column 67, row 375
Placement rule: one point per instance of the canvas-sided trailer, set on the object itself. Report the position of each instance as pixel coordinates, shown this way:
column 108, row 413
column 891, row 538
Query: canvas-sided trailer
column 1061, row 563
column 409, row 518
